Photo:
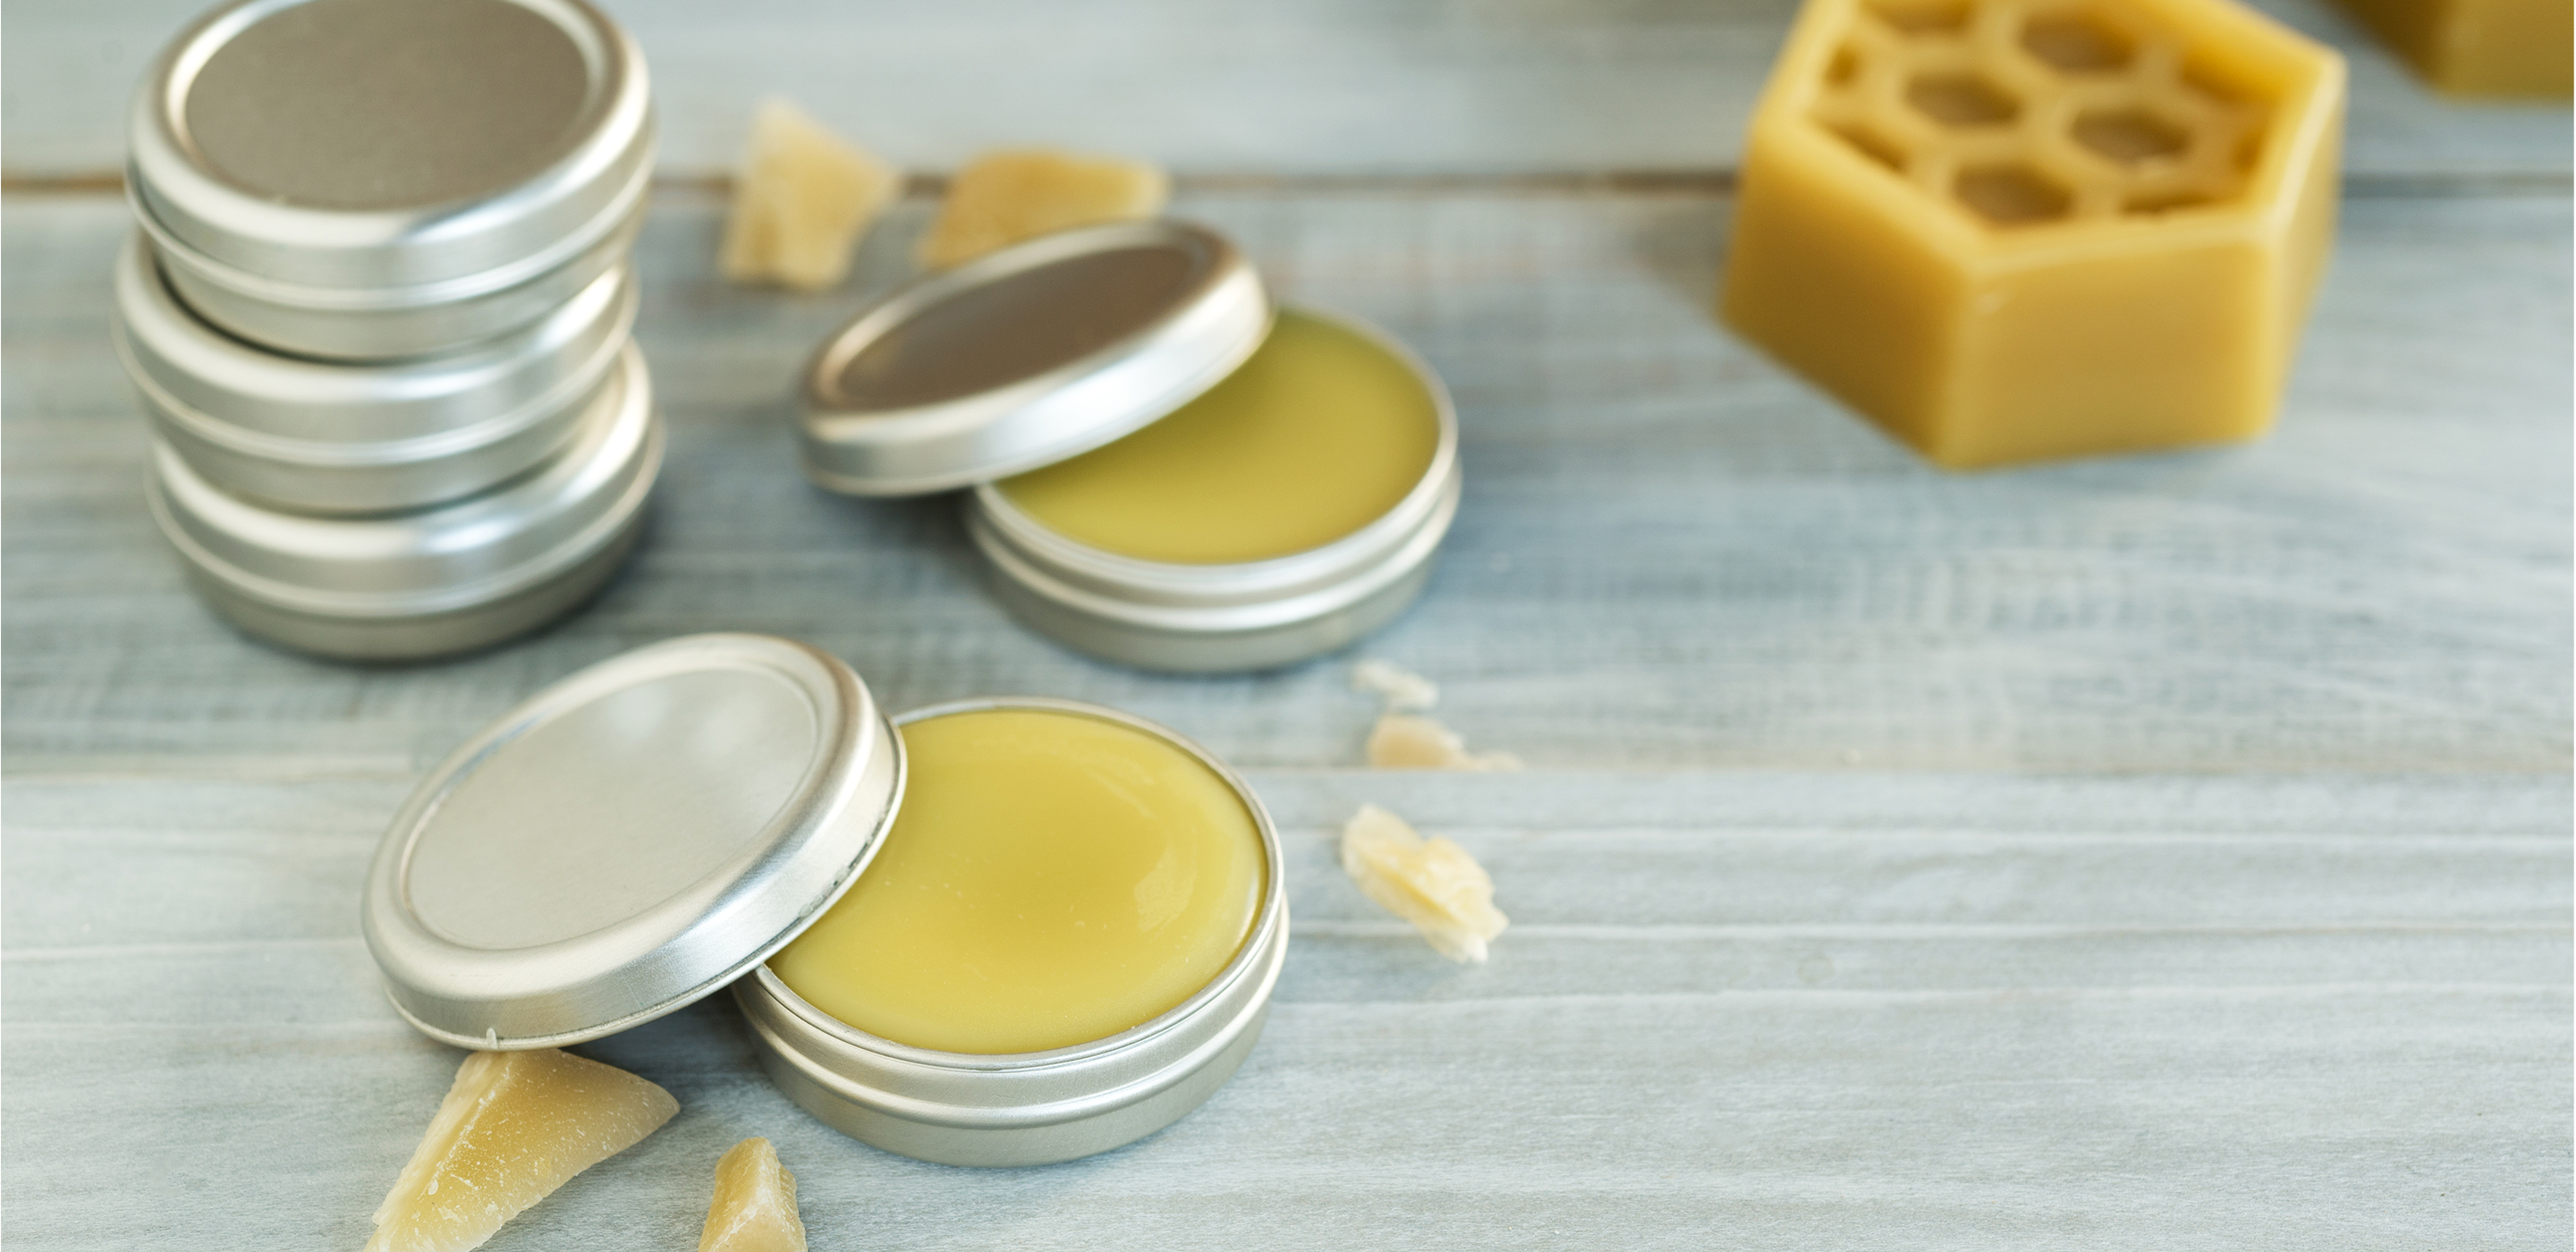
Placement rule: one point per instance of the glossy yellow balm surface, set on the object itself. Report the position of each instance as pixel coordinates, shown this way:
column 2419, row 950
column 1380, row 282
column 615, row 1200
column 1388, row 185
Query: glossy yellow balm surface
column 1051, row 879
column 1320, row 432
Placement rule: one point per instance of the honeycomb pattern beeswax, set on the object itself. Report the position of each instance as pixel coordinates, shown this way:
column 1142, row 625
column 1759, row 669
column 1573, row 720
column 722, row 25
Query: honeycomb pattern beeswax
column 2009, row 230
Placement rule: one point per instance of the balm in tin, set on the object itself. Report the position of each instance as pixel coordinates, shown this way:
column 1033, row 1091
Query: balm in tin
column 745, row 787
column 1166, row 472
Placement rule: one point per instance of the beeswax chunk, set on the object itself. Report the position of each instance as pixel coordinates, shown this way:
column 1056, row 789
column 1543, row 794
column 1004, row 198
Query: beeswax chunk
column 1403, row 690
column 1431, row 883
column 803, row 199
column 514, row 1126
column 2009, row 230
column 754, row 1209
column 1412, row 741
column 1005, row 197
column 2481, row 47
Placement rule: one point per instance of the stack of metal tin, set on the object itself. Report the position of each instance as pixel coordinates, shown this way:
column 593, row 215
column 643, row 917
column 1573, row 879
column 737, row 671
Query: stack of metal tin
column 378, row 310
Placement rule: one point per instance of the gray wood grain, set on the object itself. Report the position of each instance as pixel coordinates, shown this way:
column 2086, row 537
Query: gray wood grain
column 1672, row 554
column 1308, row 86
column 1760, row 1010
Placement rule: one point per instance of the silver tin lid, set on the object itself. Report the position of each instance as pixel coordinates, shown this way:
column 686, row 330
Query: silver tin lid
column 1028, row 356
column 372, row 144
column 307, row 434
column 436, row 560
column 630, row 840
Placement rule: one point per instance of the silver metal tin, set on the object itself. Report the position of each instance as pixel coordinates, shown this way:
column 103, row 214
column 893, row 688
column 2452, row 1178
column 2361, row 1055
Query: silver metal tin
column 630, row 840
column 433, row 581
column 323, row 437
column 368, row 146
column 1253, row 615
column 1037, row 1107
column 392, row 323
column 1038, row 352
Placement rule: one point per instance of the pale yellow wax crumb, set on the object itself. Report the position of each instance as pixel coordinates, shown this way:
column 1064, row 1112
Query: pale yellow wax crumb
column 1412, row 741
column 1431, row 883
column 1401, row 689
column 1005, row 197
column 754, row 1209
column 514, row 1126
column 804, row 197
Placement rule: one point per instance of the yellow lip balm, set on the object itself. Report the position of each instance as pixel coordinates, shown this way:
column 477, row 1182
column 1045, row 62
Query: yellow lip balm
column 1051, row 879
column 1321, row 431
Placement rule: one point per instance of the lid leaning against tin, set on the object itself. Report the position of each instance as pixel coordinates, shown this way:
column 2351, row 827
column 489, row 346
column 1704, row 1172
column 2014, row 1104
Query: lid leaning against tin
column 1033, row 354
column 340, row 145
column 630, row 840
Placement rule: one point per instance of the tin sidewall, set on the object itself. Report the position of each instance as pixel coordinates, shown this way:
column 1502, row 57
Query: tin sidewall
column 397, row 327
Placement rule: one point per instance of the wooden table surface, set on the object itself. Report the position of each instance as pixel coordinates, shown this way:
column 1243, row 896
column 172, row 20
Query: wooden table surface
column 2167, row 852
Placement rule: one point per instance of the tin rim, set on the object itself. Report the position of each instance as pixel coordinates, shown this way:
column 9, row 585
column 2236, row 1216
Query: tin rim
column 1047, row 417
column 1238, row 596
column 332, row 413
column 593, row 488
column 1246, row 961
column 604, row 981
column 478, row 233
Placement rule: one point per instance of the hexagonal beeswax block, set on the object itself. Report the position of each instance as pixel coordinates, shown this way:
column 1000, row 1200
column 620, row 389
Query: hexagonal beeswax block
column 2481, row 47
column 2009, row 230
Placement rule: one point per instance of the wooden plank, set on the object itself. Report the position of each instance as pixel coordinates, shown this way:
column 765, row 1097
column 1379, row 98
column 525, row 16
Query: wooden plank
column 1797, row 1009
column 1306, row 87
column 1672, row 554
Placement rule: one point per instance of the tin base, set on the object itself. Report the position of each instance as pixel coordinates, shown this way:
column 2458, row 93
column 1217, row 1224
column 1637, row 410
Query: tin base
column 418, row 638
column 1181, row 652
column 1028, row 1145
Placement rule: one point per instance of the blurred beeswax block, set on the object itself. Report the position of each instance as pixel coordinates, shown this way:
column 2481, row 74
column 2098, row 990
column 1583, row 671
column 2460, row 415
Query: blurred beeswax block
column 1005, row 197
column 2012, row 230
column 2481, row 47
column 803, row 199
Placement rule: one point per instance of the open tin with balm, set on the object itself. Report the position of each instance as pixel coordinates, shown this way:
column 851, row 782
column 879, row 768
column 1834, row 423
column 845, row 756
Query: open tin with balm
column 1166, row 471
column 1002, row 932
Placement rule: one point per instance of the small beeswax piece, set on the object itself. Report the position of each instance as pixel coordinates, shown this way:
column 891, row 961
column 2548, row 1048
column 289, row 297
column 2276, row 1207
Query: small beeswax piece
column 754, row 1209
column 1005, row 197
column 2481, row 47
column 1402, row 689
column 2010, row 230
column 1412, row 741
column 803, row 199
column 1431, row 883
column 514, row 1126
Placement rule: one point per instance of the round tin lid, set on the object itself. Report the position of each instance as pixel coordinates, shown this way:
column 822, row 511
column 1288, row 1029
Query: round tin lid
column 1033, row 354
column 630, row 840
column 431, row 560
column 390, row 143
column 302, row 409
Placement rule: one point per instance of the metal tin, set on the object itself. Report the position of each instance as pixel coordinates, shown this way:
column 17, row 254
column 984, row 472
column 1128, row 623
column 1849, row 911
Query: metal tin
column 1253, row 615
column 1037, row 1107
column 323, row 437
column 630, row 840
column 1025, row 357
column 386, row 325
column 433, row 581
column 358, row 178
